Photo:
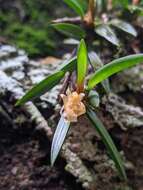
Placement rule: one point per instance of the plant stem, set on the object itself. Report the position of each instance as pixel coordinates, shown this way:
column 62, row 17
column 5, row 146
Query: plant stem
column 135, row 2
column 80, row 88
column 109, row 5
column 64, row 86
column 89, row 17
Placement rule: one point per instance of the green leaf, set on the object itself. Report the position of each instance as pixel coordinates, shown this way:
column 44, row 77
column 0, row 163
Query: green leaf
column 83, row 4
column 82, row 62
column 49, row 82
column 97, row 63
column 107, row 141
column 42, row 87
column 123, row 3
column 114, row 67
column 58, row 139
column 106, row 32
column 71, row 30
column 76, row 6
column 124, row 26
column 136, row 9
column 93, row 98
column 69, row 65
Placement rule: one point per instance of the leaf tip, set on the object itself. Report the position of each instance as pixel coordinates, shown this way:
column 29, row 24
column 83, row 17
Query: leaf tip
column 82, row 42
column 18, row 103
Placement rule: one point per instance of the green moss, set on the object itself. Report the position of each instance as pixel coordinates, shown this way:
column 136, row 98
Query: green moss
column 28, row 28
column 35, row 42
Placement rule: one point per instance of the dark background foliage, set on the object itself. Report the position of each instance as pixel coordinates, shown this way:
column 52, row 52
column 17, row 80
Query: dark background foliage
column 26, row 24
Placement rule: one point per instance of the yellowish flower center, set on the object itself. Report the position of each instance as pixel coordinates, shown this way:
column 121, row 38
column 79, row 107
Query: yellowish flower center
column 73, row 105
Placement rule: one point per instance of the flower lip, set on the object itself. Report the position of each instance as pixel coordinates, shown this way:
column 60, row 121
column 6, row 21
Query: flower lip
column 73, row 106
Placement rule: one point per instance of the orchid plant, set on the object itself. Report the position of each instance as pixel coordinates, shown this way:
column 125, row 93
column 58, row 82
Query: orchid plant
column 83, row 98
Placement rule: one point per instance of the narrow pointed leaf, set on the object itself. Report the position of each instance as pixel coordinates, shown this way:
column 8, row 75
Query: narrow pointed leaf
column 124, row 26
column 82, row 61
column 83, row 4
column 76, row 6
column 69, row 65
column 97, row 63
column 108, row 142
column 106, row 32
column 49, row 82
column 114, row 67
column 58, row 139
column 42, row 87
column 71, row 30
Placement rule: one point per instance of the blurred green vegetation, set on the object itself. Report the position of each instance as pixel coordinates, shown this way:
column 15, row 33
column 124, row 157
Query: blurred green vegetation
column 26, row 24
